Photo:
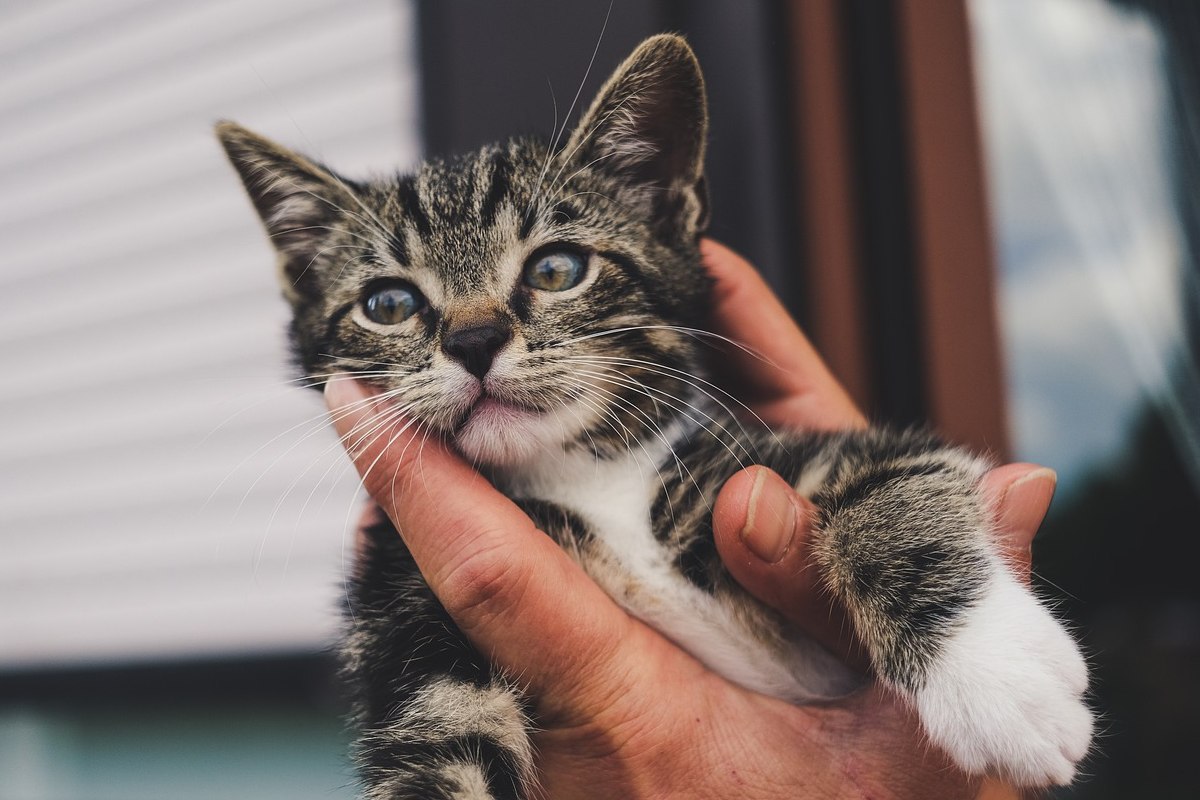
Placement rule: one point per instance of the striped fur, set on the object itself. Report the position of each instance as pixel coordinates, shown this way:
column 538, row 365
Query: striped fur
column 590, row 407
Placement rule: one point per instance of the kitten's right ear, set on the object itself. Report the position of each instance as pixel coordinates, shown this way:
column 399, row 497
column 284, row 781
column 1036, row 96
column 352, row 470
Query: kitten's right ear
column 298, row 200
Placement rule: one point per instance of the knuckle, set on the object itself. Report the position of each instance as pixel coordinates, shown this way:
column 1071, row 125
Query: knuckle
column 483, row 586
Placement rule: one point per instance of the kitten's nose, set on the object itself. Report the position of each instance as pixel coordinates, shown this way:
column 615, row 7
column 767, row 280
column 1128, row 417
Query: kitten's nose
column 476, row 347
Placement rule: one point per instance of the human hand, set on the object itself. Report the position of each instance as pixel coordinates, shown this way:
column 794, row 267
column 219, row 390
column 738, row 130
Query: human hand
column 623, row 711
column 761, row 525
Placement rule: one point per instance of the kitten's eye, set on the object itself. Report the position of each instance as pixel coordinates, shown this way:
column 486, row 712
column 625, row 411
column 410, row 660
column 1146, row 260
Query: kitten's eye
column 392, row 304
column 555, row 272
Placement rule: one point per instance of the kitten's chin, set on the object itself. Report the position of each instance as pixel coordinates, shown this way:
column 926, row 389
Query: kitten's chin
column 501, row 434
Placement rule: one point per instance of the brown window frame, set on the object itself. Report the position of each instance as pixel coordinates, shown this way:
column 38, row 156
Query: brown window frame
column 844, row 55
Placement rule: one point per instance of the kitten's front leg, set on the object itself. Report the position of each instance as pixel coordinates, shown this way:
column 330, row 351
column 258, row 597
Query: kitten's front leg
column 436, row 721
column 904, row 541
column 1005, row 692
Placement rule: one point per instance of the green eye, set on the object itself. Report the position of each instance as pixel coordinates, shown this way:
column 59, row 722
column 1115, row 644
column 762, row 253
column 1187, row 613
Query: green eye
column 392, row 304
column 555, row 272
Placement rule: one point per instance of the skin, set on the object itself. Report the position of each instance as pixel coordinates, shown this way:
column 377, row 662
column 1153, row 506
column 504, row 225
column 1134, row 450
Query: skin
column 624, row 712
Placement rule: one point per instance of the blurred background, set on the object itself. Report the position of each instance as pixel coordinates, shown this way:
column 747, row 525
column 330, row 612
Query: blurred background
column 983, row 211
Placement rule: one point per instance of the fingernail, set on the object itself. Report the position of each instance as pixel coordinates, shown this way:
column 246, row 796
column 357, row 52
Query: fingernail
column 1027, row 499
column 350, row 412
column 342, row 390
column 770, row 519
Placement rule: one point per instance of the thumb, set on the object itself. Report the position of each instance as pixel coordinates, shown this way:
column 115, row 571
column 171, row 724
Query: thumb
column 762, row 529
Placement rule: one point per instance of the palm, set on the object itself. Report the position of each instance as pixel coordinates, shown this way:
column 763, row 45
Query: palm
column 738, row 744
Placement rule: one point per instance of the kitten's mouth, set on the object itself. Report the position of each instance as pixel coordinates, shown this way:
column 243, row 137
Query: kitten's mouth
column 491, row 410
column 498, row 431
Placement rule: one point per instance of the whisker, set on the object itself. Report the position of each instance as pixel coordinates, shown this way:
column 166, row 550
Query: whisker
column 301, row 383
column 329, row 228
column 626, row 435
column 557, row 187
column 405, row 368
column 316, row 429
column 393, row 413
column 317, row 421
column 371, row 221
column 358, row 429
column 696, row 333
column 638, row 386
column 692, row 380
column 558, row 132
column 650, row 421
column 377, row 433
column 566, row 159
column 680, row 465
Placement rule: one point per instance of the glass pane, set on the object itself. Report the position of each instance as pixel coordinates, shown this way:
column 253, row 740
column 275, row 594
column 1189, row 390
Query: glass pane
column 1090, row 116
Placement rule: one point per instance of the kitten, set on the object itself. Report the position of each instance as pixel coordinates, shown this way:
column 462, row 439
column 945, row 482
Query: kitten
column 537, row 307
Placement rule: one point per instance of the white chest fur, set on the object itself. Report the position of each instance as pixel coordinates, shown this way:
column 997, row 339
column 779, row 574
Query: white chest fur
column 615, row 497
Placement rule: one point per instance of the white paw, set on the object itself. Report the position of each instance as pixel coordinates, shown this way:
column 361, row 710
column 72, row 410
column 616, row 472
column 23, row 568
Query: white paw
column 1006, row 694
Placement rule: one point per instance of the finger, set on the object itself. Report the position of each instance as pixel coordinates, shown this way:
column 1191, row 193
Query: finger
column 1020, row 496
column 762, row 530
column 795, row 388
column 511, row 590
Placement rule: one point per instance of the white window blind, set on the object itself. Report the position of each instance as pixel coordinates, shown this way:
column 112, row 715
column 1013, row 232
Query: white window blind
column 163, row 493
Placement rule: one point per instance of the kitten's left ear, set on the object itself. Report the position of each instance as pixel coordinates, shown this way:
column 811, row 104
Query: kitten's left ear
column 648, row 125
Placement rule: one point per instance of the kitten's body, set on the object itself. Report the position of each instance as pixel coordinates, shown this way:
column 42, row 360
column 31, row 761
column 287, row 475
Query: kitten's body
column 664, row 569
column 538, row 307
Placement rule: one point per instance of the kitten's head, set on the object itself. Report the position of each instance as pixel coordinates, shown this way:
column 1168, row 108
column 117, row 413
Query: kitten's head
column 522, row 297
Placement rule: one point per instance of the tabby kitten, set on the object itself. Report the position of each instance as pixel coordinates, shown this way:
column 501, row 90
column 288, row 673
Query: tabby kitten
column 537, row 306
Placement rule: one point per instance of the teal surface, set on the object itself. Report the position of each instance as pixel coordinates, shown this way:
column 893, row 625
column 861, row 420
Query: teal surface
column 182, row 754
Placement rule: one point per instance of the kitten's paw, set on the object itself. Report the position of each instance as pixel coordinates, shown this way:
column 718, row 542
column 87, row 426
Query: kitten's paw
column 1006, row 694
